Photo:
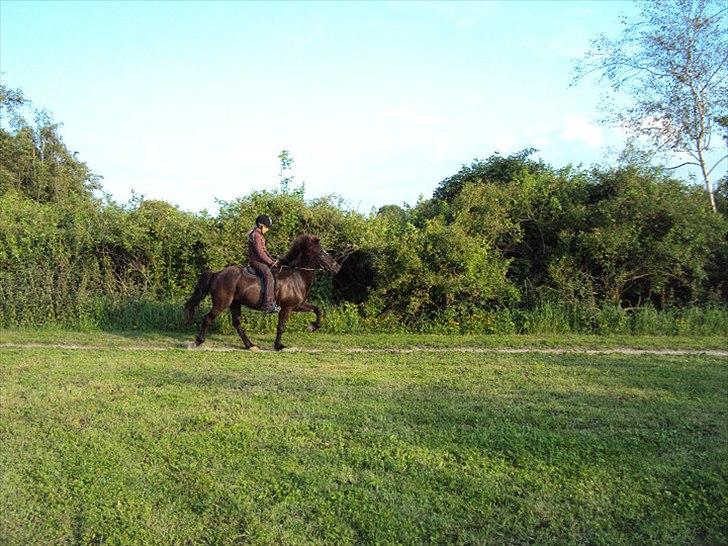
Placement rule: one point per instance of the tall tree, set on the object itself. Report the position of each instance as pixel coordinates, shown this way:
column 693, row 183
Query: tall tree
column 671, row 66
column 286, row 160
column 34, row 160
column 11, row 101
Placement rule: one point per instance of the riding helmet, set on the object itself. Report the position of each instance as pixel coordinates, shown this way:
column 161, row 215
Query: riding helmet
column 264, row 219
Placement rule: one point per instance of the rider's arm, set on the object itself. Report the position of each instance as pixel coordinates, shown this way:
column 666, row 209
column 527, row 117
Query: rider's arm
column 259, row 244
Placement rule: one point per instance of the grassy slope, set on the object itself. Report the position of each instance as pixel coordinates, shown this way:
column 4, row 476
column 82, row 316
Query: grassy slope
column 193, row 447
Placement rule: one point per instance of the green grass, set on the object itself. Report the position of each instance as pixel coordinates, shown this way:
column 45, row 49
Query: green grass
column 318, row 340
column 201, row 447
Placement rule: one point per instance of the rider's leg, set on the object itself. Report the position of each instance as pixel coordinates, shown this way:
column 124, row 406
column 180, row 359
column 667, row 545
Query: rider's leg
column 265, row 272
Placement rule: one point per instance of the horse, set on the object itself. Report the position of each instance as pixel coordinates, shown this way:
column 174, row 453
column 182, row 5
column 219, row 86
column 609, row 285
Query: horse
column 235, row 286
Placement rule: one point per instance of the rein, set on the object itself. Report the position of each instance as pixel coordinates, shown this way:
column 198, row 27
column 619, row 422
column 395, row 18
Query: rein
column 318, row 261
column 301, row 268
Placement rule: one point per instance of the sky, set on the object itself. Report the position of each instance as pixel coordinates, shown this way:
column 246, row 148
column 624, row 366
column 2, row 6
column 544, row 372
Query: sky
column 377, row 102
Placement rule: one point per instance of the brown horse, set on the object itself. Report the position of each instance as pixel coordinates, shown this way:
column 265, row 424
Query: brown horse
column 235, row 286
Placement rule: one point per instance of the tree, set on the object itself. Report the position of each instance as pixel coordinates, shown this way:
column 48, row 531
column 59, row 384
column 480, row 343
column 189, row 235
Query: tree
column 34, row 160
column 286, row 160
column 671, row 65
column 11, row 101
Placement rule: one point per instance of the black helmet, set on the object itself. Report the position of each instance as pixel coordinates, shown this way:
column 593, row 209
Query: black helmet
column 264, row 219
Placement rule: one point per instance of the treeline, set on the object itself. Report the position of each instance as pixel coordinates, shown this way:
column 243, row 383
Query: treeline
column 507, row 244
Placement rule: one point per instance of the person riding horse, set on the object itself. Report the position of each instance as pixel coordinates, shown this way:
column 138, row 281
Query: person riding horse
column 232, row 287
column 262, row 261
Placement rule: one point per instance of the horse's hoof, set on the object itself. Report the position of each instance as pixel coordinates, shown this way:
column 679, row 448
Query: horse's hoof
column 254, row 348
column 191, row 345
column 279, row 347
column 313, row 327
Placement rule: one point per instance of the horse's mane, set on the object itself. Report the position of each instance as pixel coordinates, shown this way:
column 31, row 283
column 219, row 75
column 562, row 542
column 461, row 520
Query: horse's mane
column 300, row 246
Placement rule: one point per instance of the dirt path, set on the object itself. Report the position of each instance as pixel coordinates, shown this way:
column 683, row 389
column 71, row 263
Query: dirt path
column 402, row 350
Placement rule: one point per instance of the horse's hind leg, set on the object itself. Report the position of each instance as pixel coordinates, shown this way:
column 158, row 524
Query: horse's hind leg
column 209, row 318
column 235, row 312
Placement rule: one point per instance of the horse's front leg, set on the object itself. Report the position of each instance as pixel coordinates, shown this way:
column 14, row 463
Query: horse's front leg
column 305, row 306
column 282, row 319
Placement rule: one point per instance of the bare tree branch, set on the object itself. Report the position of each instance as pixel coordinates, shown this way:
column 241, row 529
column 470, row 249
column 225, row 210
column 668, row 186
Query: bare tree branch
column 682, row 165
column 718, row 163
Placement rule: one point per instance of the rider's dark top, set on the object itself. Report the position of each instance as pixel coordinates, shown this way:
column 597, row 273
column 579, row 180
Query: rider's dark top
column 257, row 251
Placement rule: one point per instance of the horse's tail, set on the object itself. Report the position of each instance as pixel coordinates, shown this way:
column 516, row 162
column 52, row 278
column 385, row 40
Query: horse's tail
column 201, row 290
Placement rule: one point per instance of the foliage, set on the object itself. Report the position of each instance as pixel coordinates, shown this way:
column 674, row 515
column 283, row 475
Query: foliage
column 508, row 244
column 643, row 238
column 495, row 169
column 421, row 272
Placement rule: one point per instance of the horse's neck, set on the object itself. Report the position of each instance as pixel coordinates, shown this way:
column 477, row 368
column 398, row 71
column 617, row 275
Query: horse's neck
column 304, row 262
column 307, row 276
column 304, row 273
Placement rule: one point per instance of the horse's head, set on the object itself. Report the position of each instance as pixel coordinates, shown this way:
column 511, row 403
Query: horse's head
column 306, row 251
column 323, row 258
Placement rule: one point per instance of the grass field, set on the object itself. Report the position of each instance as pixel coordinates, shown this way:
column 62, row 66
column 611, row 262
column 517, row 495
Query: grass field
column 150, row 446
column 344, row 342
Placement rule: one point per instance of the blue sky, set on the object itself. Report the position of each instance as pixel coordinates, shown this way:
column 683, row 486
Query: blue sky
column 376, row 101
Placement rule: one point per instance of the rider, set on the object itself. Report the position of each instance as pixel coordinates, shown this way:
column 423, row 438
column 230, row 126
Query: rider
column 261, row 261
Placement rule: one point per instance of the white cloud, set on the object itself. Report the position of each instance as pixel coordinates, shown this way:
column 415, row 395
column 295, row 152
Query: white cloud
column 505, row 142
column 577, row 129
